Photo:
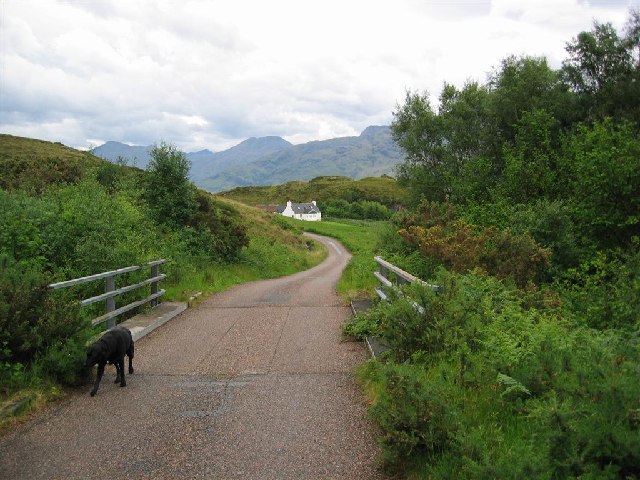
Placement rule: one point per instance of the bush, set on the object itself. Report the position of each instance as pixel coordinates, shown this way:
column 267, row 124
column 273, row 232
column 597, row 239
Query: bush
column 359, row 210
column 461, row 247
column 34, row 322
column 170, row 195
column 483, row 381
column 65, row 360
column 416, row 412
column 215, row 230
column 604, row 292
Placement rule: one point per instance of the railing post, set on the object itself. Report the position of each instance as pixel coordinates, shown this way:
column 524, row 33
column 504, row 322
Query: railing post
column 110, row 286
column 383, row 271
column 155, row 271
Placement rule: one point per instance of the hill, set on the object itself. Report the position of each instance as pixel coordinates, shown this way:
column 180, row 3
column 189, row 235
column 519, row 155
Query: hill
column 31, row 163
column 372, row 153
column 384, row 190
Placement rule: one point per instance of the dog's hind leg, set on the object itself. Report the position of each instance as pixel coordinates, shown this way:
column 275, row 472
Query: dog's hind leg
column 118, row 372
column 130, row 353
column 94, row 390
column 120, row 368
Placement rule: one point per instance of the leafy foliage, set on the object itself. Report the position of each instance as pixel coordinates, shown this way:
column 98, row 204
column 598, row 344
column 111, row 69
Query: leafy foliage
column 482, row 357
column 99, row 220
column 168, row 191
column 461, row 246
column 384, row 190
column 531, row 178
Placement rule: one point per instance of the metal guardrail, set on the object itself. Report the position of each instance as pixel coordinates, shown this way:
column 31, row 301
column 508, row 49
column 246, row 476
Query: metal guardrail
column 111, row 292
column 391, row 276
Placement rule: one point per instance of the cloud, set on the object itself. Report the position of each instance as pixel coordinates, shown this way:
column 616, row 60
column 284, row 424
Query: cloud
column 210, row 73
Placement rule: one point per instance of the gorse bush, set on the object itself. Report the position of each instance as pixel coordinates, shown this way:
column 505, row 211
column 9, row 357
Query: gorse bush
column 461, row 247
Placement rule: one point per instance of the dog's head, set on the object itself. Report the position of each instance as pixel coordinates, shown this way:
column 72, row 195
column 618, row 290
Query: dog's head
column 95, row 354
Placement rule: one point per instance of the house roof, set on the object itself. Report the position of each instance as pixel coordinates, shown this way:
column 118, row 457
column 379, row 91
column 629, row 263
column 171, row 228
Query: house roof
column 300, row 208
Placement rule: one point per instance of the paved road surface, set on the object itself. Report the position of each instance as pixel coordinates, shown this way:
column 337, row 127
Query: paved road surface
column 253, row 383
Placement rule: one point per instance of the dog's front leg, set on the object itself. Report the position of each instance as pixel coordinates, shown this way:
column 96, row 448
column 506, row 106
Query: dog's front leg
column 98, row 378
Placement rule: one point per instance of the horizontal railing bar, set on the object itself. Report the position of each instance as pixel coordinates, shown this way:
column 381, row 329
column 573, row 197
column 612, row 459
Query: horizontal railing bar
column 399, row 272
column 91, row 278
column 126, row 308
column 122, row 290
column 381, row 294
column 383, row 280
column 98, row 276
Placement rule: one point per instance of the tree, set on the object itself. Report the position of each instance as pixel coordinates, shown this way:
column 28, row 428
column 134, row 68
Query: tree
column 530, row 164
column 417, row 130
column 170, row 194
column 525, row 84
column 603, row 171
column 603, row 69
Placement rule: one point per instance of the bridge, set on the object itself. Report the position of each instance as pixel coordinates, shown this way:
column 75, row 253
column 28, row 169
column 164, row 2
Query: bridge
column 252, row 383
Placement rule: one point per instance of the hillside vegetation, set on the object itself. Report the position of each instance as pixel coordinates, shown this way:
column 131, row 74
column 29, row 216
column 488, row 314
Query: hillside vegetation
column 368, row 198
column 66, row 214
column 525, row 209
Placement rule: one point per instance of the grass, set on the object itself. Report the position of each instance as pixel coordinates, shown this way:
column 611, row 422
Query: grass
column 362, row 239
column 275, row 249
column 34, row 164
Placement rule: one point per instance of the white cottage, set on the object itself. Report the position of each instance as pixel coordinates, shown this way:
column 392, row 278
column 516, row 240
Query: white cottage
column 301, row 211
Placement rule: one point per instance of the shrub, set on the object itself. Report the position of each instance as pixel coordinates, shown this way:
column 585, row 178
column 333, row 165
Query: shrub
column 215, row 231
column 34, row 321
column 604, row 292
column 65, row 359
column 170, row 195
column 516, row 256
column 461, row 247
column 491, row 386
column 416, row 412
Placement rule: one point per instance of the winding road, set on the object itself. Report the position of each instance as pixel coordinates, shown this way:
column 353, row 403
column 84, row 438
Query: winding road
column 252, row 383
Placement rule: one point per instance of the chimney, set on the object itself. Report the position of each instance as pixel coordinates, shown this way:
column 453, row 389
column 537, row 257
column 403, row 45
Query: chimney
column 314, row 202
column 288, row 203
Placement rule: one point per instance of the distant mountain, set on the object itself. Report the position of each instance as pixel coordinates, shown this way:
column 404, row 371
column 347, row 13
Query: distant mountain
column 134, row 155
column 372, row 154
column 205, row 163
column 273, row 161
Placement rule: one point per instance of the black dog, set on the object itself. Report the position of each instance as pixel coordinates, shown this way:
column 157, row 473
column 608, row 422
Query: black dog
column 111, row 348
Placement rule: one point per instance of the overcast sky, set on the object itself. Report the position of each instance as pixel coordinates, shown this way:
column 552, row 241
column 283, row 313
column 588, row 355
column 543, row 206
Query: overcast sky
column 211, row 73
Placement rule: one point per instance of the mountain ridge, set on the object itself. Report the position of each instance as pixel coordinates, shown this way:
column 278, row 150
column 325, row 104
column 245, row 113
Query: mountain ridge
column 272, row 160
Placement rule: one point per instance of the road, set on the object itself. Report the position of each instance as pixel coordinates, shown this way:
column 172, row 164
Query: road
column 252, row 383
